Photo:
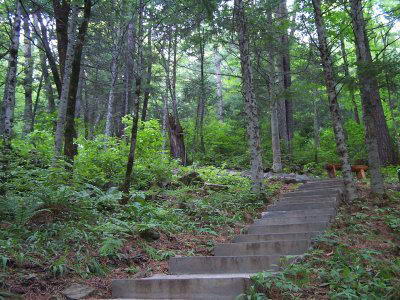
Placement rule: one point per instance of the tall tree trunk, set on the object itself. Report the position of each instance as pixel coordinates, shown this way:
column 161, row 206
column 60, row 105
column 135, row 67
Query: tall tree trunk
column 253, row 127
column 61, row 12
column 52, row 62
column 111, row 96
column 350, row 192
column 164, row 122
column 62, row 106
column 369, row 87
column 79, row 94
column 28, row 76
column 70, row 149
column 218, row 79
column 148, row 77
column 286, row 106
column 11, row 79
column 276, row 148
column 316, row 130
column 199, row 129
column 138, row 85
column 349, row 80
column 35, row 106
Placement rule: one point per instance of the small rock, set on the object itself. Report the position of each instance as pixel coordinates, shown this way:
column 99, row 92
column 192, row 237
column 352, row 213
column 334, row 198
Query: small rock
column 77, row 291
column 150, row 235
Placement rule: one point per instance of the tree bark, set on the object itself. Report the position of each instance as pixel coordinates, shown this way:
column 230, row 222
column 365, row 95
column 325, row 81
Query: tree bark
column 251, row 110
column 349, row 80
column 369, row 88
column 11, row 79
column 28, row 76
column 350, row 192
column 316, row 131
column 218, row 79
column 70, row 149
column 148, row 77
column 62, row 106
column 199, row 128
column 286, row 106
column 111, row 96
column 135, row 120
column 61, row 12
column 49, row 55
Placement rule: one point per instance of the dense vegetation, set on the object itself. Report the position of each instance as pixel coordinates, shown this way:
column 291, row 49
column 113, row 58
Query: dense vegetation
column 110, row 107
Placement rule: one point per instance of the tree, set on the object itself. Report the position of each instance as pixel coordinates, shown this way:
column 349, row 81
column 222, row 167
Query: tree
column 369, row 88
column 251, row 110
column 333, row 103
column 374, row 118
column 11, row 78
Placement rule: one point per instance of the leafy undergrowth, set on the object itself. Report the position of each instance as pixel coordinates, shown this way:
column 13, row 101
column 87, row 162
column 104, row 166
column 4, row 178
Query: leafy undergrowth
column 54, row 234
column 358, row 258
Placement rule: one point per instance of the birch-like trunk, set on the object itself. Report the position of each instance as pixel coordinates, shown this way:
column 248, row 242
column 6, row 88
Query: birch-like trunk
column 276, row 147
column 350, row 192
column 199, row 128
column 164, row 122
column 316, row 130
column 369, row 88
column 374, row 119
column 11, row 79
column 62, row 106
column 111, row 95
column 218, row 80
column 148, row 77
column 28, row 76
column 251, row 109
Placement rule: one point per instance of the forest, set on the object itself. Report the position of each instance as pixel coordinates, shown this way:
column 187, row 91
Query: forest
column 133, row 131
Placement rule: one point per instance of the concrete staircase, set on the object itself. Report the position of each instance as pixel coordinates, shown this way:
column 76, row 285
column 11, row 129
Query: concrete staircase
column 286, row 228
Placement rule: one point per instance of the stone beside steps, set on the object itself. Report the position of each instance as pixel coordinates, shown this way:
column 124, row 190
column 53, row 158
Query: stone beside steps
column 285, row 229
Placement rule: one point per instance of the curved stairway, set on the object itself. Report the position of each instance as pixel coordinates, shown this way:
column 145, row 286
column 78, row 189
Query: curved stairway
column 286, row 228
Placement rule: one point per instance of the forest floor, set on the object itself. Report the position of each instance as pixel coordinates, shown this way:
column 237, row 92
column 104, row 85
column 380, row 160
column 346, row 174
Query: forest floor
column 358, row 256
column 206, row 217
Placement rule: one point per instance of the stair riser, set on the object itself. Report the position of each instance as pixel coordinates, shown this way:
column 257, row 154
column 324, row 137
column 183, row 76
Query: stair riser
column 249, row 238
column 306, row 200
column 302, row 206
column 320, row 186
column 263, row 248
column 315, row 193
column 222, row 265
column 292, row 228
column 298, row 213
column 292, row 220
column 194, row 289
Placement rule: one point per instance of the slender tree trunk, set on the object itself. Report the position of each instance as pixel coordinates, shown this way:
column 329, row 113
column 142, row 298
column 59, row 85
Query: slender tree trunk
column 350, row 192
column 148, row 77
column 138, row 84
column 49, row 55
column 348, row 79
column 369, row 88
column 71, row 149
column 11, row 79
column 287, row 106
column 61, row 12
column 199, row 132
column 79, row 94
column 62, row 106
column 316, row 130
column 111, row 96
column 28, row 79
column 218, row 79
column 276, row 148
column 251, row 110
column 164, row 122
column 35, row 106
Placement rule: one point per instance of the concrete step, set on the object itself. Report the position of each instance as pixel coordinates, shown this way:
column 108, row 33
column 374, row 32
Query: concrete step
column 319, row 185
column 296, row 200
column 223, row 264
column 303, row 206
column 292, row 220
column 295, row 247
column 249, row 238
column 312, row 197
column 194, row 287
column 315, row 192
column 289, row 228
column 298, row 213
